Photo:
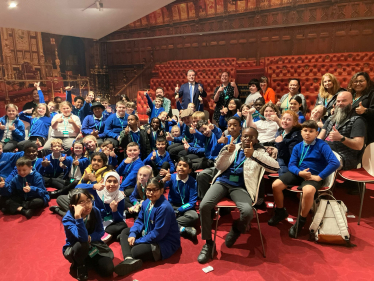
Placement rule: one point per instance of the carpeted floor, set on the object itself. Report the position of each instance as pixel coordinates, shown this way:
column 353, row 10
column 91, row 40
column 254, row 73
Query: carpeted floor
column 31, row 250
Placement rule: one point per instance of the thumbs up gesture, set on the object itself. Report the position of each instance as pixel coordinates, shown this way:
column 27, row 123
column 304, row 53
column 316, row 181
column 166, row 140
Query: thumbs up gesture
column 252, row 110
column 335, row 135
column 248, row 152
column 169, row 137
column 210, row 125
column 113, row 205
column 360, row 109
column 177, row 90
column 12, row 128
column 146, row 93
column 305, row 174
column 95, row 133
column 76, row 161
column 224, row 111
column 37, row 85
column 99, row 186
column 200, row 99
column 45, row 162
column 192, row 129
column 91, row 177
column 200, row 88
column 233, row 84
column 153, row 155
column 223, row 139
column 127, row 130
column 231, row 147
column 167, row 176
column 186, row 144
column 26, row 188
column 2, row 182
column 62, row 158
column 68, row 88
column 38, row 143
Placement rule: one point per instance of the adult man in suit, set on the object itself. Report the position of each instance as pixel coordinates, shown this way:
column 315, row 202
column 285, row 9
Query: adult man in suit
column 190, row 92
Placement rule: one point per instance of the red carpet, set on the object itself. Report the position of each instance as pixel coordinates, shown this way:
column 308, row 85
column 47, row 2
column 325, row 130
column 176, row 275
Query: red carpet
column 31, row 250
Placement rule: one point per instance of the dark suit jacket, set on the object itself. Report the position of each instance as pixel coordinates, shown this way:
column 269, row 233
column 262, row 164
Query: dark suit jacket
column 184, row 94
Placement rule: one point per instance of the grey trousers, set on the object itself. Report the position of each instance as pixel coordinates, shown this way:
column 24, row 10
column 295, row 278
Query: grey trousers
column 63, row 202
column 203, row 181
column 188, row 218
column 217, row 192
column 67, row 143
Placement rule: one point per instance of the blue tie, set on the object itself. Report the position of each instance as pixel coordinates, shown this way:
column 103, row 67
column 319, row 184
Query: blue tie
column 191, row 93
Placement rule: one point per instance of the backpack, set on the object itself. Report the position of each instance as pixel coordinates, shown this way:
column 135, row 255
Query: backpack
column 330, row 222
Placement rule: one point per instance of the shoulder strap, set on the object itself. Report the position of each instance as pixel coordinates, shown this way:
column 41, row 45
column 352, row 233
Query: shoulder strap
column 339, row 220
column 318, row 216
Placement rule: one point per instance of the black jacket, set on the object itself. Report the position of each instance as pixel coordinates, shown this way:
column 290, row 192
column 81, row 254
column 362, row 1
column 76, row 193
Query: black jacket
column 145, row 147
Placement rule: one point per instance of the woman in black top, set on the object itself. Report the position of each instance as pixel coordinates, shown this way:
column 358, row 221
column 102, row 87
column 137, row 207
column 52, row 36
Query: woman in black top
column 223, row 94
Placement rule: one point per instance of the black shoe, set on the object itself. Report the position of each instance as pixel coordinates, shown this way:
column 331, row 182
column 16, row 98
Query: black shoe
column 292, row 231
column 82, row 273
column 128, row 266
column 279, row 215
column 28, row 213
column 232, row 237
column 54, row 209
column 55, row 193
column 189, row 233
column 205, row 254
column 3, row 210
column 225, row 211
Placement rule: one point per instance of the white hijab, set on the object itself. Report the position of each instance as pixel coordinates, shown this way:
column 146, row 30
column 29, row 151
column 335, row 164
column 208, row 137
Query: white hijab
column 107, row 196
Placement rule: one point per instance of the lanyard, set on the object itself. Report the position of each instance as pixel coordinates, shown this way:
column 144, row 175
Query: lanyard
column 131, row 133
column 237, row 139
column 237, row 167
column 156, row 111
column 128, row 169
column 180, row 193
column 194, row 145
column 143, row 189
column 284, row 134
column 101, row 119
column 120, row 122
column 355, row 99
column 74, row 170
column 7, row 132
column 79, row 112
column 145, row 216
column 302, row 157
column 207, row 142
column 326, row 101
column 287, row 101
column 66, row 122
column 108, row 213
column 159, row 156
column 32, row 124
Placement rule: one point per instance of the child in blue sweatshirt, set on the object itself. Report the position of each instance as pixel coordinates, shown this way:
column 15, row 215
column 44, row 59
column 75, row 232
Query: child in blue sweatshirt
column 183, row 196
column 160, row 160
column 129, row 168
column 12, row 130
column 312, row 161
column 83, row 229
column 154, row 130
column 154, row 235
column 175, row 132
column 40, row 121
column 7, row 161
column 81, row 107
column 233, row 108
column 108, row 109
column 156, row 108
column 166, row 121
column 116, row 123
column 95, row 124
column 134, row 202
column 26, row 191
column 53, row 167
column 110, row 202
column 208, row 134
column 108, row 148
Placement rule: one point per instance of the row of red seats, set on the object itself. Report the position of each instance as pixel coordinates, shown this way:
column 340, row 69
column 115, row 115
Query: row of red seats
column 200, row 72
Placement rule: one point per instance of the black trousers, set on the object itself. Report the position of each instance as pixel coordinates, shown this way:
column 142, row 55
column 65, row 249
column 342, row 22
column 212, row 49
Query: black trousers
column 22, row 144
column 55, row 182
column 65, row 190
column 204, row 180
column 156, row 169
column 9, row 146
column 174, row 149
column 15, row 201
column 140, row 251
column 186, row 154
column 128, row 191
column 79, row 256
column 202, row 163
column 115, row 228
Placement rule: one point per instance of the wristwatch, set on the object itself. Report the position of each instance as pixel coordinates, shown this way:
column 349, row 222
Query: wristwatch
column 342, row 139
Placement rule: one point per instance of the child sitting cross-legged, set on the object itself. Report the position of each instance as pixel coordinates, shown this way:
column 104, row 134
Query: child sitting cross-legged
column 26, row 192
column 311, row 162
column 183, row 197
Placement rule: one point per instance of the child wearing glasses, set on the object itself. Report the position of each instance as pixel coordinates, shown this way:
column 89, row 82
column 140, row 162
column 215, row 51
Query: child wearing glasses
column 155, row 234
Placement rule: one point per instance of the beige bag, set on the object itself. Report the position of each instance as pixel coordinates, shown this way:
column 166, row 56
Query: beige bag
column 330, row 223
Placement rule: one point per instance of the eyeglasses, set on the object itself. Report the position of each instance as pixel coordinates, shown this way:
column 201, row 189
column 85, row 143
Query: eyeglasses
column 359, row 82
column 152, row 190
column 88, row 202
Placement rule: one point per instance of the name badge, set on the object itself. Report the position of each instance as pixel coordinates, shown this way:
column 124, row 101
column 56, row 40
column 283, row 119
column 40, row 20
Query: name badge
column 107, row 218
column 65, row 132
column 234, row 178
column 144, row 233
column 93, row 252
column 6, row 140
column 71, row 180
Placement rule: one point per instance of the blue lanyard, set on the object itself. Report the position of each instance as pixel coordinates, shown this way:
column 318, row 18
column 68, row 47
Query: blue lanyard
column 326, row 102
column 284, row 134
column 133, row 138
column 237, row 139
column 145, row 216
column 32, row 124
column 156, row 111
column 237, row 167
column 194, row 145
column 119, row 118
column 180, row 193
column 128, row 169
column 207, row 142
column 108, row 213
column 354, row 99
column 101, row 119
column 159, row 156
column 302, row 157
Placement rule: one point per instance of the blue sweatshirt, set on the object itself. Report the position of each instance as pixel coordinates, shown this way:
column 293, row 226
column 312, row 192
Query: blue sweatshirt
column 115, row 125
column 18, row 134
column 167, row 125
column 154, row 111
column 81, row 112
column 182, row 194
column 235, row 169
column 15, row 171
column 301, row 117
column 83, row 163
column 135, row 196
column 223, row 122
column 36, row 183
column 106, row 114
column 160, row 160
column 76, row 231
column 129, row 172
column 104, row 208
column 319, row 158
column 161, row 224
column 185, row 134
column 90, row 123
column 54, row 169
column 211, row 145
column 39, row 126
column 8, row 162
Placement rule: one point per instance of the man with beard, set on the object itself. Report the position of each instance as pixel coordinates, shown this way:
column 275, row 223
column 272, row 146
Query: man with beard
column 345, row 133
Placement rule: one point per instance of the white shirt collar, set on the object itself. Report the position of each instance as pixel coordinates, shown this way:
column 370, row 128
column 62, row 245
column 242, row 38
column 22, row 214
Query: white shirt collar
column 54, row 157
column 191, row 83
column 95, row 118
column 134, row 131
column 184, row 181
column 162, row 154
